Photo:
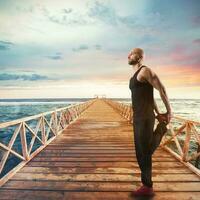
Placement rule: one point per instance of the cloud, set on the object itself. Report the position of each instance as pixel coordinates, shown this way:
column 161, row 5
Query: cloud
column 57, row 56
column 26, row 70
column 97, row 47
column 28, row 9
column 82, row 47
column 107, row 14
column 128, row 20
column 67, row 11
column 65, row 17
column 4, row 45
column 196, row 20
column 179, row 75
column 182, row 55
column 103, row 13
column 23, row 77
column 197, row 41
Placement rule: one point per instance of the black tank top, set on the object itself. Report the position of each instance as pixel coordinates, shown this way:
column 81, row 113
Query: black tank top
column 142, row 97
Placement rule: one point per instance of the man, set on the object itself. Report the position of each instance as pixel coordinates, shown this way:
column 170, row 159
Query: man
column 146, row 139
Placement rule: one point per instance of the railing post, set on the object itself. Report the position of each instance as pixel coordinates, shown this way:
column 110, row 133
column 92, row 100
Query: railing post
column 197, row 162
column 187, row 141
column 24, row 142
column 56, row 122
column 42, row 125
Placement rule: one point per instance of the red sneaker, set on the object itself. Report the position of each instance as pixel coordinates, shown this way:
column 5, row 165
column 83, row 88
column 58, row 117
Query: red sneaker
column 143, row 191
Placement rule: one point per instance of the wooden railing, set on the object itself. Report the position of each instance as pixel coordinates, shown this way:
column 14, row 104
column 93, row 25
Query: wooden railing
column 124, row 109
column 24, row 138
column 182, row 139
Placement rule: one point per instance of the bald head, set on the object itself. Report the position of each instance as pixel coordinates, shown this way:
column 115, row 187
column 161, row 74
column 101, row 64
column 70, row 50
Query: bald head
column 135, row 56
column 139, row 52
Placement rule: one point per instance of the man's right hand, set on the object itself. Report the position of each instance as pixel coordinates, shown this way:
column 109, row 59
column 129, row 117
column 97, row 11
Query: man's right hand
column 166, row 117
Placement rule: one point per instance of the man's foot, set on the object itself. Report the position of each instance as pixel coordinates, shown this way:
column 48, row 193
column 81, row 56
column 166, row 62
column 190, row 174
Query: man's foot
column 143, row 191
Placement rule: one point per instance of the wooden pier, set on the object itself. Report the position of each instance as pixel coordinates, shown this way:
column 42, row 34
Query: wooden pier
column 94, row 158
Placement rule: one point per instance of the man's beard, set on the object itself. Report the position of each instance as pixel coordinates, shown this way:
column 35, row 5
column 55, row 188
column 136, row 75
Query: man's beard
column 133, row 62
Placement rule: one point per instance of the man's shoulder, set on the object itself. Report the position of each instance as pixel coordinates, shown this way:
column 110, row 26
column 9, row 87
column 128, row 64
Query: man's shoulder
column 146, row 69
column 146, row 73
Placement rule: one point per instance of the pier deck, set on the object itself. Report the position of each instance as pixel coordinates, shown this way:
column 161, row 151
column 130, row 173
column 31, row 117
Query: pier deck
column 94, row 158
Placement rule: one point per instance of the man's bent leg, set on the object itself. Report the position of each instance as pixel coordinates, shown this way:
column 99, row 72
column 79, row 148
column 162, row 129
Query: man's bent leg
column 157, row 135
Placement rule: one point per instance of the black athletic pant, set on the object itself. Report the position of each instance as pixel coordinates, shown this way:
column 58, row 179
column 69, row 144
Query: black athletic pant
column 146, row 141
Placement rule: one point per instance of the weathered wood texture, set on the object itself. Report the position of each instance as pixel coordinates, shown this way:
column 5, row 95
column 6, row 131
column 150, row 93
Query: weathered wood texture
column 95, row 158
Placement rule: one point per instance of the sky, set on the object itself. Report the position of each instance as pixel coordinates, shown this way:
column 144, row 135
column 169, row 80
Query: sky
column 79, row 48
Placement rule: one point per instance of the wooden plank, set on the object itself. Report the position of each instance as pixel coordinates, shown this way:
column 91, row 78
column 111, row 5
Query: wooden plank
column 98, row 186
column 167, row 157
column 96, row 159
column 99, row 151
column 78, row 155
column 104, row 164
column 66, row 152
column 104, row 177
column 92, row 146
column 58, row 195
column 33, row 195
column 127, row 196
column 92, row 170
column 88, row 143
column 13, row 194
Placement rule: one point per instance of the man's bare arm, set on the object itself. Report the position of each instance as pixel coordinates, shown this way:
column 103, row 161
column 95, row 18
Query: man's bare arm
column 156, row 107
column 153, row 79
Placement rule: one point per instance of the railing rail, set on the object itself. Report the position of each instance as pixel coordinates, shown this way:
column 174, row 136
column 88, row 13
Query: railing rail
column 42, row 128
column 182, row 139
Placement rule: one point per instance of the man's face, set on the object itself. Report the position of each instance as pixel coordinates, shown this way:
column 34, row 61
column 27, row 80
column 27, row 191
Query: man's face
column 133, row 58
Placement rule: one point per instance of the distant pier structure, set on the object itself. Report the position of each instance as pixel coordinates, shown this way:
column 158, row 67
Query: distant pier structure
column 100, row 96
column 86, row 151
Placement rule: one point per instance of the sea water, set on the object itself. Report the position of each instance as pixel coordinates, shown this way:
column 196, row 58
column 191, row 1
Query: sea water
column 11, row 109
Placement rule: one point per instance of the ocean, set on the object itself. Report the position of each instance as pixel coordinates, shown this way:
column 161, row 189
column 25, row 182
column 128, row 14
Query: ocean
column 11, row 109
